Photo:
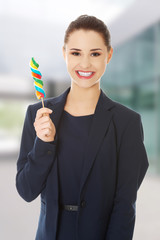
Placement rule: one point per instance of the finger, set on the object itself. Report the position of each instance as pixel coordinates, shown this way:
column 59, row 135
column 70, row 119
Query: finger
column 45, row 132
column 42, row 120
column 42, row 123
column 39, row 129
column 46, row 126
column 43, row 111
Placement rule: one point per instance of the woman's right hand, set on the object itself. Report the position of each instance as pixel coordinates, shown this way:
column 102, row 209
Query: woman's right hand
column 44, row 127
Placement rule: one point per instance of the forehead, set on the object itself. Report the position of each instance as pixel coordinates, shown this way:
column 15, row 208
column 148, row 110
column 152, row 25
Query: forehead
column 82, row 38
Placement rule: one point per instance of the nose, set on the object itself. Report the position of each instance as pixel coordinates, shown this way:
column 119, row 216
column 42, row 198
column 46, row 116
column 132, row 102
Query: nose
column 85, row 62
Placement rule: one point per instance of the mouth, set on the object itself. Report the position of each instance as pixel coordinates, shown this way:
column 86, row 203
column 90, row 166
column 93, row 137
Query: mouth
column 85, row 74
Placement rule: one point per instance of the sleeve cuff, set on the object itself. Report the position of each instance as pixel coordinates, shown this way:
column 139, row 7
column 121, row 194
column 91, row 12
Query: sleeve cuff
column 41, row 147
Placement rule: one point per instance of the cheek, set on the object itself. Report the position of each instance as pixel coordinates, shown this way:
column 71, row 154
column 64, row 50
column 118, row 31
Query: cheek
column 71, row 63
column 102, row 66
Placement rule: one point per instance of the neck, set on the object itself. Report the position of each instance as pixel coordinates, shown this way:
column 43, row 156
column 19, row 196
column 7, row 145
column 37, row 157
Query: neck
column 84, row 95
column 86, row 98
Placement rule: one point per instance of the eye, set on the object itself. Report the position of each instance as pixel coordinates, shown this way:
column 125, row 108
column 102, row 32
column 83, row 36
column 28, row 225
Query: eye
column 75, row 53
column 95, row 54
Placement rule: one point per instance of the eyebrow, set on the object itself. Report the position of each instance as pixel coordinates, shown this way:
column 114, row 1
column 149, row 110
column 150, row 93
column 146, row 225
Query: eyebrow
column 95, row 49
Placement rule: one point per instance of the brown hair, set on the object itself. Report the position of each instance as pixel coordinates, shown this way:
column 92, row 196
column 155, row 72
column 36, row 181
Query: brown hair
column 89, row 23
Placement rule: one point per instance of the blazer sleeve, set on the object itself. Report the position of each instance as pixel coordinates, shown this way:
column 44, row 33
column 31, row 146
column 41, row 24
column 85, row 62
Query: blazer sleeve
column 132, row 166
column 35, row 160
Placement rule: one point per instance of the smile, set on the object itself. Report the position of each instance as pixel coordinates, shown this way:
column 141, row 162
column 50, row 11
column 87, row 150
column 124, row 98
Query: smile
column 82, row 74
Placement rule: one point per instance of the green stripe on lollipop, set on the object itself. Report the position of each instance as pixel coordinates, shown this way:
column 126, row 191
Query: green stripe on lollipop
column 38, row 81
column 35, row 63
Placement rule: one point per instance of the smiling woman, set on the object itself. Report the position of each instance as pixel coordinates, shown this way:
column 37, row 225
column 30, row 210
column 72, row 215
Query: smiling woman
column 83, row 153
column 86, row 56
column 87, row 51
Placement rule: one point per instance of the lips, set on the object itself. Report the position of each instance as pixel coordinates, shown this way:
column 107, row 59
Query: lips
column 85, row 74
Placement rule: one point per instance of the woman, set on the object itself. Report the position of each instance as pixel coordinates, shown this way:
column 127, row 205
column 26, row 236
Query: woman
column 83, row 153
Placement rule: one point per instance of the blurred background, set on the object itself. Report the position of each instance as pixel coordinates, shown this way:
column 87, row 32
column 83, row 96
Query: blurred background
column 36, row 29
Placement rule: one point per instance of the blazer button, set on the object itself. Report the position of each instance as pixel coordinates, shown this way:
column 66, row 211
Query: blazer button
column 83, row 203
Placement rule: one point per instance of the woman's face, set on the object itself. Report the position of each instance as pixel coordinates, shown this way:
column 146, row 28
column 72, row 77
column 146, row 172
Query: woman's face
column 86, row 57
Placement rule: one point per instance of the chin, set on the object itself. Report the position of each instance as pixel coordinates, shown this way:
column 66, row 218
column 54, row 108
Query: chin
column 86, row 86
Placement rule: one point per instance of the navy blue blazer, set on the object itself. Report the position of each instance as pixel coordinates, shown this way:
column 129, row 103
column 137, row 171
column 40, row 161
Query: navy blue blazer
column 115, row 163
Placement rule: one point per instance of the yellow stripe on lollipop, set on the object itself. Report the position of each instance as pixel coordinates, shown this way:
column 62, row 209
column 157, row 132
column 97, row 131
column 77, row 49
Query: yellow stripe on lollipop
column 32, row 65
column 37, row 84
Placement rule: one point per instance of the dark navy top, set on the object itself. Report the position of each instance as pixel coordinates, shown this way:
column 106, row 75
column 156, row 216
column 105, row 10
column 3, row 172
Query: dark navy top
column 73, row 132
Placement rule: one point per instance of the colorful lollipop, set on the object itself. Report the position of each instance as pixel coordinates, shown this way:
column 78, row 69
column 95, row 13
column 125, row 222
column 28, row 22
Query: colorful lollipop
column 38, row 83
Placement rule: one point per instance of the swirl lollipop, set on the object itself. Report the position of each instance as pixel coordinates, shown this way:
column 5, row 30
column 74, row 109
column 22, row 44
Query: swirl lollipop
column 38, row 83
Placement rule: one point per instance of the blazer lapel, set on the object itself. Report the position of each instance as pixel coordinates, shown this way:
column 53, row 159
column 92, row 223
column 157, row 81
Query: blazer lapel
column 57, row 105
column 99, row 126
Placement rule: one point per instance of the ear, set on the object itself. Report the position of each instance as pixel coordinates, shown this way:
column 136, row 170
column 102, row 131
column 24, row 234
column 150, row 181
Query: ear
column 110, row 55
column 64, row 53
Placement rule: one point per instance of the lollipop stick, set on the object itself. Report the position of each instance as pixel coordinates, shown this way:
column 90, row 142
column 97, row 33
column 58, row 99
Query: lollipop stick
column 44, row 114
column 42, row 103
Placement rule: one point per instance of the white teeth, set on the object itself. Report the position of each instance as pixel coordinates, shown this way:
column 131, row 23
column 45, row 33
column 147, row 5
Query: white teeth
column 85, row 74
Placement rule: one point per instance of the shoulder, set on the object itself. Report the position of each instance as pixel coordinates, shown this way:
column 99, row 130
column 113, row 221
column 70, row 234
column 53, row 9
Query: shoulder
column 121, row 111
column 125, row 117
column 127, row 123
column 48, row 103
column 122, row 115
column 33, row 108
